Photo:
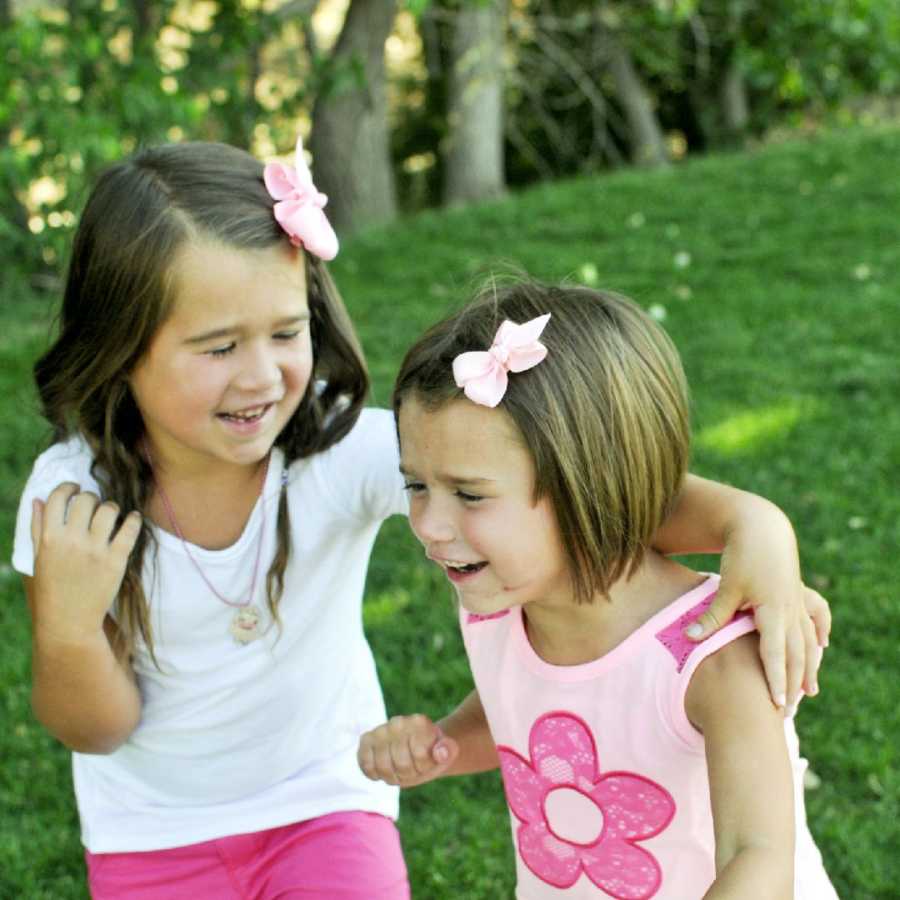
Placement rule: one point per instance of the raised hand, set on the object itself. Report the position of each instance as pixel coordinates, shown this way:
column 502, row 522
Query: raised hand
column 80, row 560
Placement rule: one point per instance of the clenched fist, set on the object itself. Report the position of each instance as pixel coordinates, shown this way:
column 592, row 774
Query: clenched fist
column 406, row 751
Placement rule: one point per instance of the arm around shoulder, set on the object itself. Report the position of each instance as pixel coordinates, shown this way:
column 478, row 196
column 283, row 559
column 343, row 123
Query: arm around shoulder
column 750, row 777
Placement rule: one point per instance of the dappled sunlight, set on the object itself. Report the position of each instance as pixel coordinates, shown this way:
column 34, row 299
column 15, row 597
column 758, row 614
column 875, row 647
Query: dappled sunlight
column 748, row 431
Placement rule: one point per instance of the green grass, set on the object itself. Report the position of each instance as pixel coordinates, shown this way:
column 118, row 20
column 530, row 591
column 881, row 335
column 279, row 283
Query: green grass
column 779, row 275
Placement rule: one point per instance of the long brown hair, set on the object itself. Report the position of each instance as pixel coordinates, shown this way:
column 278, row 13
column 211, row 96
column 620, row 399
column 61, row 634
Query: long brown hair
column 118, row 292
column 604, row 416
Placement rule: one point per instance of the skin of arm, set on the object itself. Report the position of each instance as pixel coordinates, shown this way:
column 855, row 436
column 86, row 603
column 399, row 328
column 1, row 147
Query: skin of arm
column 467, row 726
column 760, row 569
column 750, row 780
column 83, row 688
column 413, row 750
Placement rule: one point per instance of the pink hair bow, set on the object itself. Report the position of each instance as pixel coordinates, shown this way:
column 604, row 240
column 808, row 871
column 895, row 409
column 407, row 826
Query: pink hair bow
column 484, row 376
column 298, row 209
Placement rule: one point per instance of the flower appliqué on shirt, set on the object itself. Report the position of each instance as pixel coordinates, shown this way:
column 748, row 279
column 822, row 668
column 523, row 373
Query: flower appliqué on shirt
column 575, row 819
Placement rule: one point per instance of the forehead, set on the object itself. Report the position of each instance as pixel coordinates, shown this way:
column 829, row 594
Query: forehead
column 459, row 432
column 213, row 279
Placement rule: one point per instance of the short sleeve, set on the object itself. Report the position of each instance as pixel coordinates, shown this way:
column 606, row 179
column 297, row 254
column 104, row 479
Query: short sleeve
column 362, row 471
column 68, row 461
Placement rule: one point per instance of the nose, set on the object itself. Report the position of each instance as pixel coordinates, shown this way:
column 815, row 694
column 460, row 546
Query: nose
column 431, row 521
column 260, row 370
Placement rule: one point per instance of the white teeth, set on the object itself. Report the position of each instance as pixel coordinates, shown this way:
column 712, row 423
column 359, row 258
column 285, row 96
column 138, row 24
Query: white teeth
column 459, row 566
column 253, row 413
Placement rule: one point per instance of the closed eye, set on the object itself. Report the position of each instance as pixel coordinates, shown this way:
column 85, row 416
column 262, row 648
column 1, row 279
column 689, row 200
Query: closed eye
column 286, row 335
column 414, row 487
column 221, row 351
column 467, row 497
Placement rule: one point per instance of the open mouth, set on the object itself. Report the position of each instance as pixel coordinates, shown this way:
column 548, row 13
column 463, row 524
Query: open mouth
column 246, row 416
column 464, row 568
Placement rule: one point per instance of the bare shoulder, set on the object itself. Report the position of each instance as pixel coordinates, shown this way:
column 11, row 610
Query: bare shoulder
column 729, row 688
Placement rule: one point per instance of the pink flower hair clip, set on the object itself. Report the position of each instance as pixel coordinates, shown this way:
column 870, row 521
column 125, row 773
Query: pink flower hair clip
column 483, row 376
column 298, row 207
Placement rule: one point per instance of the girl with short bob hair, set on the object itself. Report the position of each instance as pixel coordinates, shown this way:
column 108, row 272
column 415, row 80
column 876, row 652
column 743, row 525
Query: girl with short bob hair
column 544, row 438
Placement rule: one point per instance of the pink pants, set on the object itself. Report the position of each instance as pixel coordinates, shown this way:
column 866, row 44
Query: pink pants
column 342, row 856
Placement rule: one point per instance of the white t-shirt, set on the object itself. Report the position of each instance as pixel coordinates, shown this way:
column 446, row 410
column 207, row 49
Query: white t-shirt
column 240, row 738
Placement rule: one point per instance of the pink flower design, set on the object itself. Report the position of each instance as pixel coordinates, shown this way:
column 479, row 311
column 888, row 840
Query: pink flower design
column 632, row 808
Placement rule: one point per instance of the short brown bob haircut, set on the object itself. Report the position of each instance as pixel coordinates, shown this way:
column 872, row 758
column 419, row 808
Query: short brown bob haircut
column 604, row 417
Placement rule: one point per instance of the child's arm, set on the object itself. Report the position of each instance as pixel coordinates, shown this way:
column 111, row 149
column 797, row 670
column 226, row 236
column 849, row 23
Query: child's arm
column 83, row 692
column 412, row 750
column 750, row 777
column 760, row 569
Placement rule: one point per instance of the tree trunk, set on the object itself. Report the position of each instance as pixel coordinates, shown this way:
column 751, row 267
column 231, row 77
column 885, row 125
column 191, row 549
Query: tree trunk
column 733, row 101
column 350, row 140
column 473, row 149
column 648, row 144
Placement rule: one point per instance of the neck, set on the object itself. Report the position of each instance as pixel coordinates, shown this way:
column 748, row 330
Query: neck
column 571, row 633
column 178, row 470
column 208, row 508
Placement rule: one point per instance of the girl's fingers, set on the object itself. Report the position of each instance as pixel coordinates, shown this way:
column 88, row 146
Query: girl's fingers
column 420, row 755
column 365, row 756
column 444, row 752
column 772, row 650
column 795, row 665
column 81, row 510
column 820, row 612
column 103, row 521
column 719, row 612
column 400, row 751
column 813, row 656
column 128, row 533
column 57, row 504
column 401, row 761
column 383, row 763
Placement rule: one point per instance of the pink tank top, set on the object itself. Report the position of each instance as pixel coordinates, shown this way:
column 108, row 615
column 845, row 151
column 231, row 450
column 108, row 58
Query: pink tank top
column 605, row 777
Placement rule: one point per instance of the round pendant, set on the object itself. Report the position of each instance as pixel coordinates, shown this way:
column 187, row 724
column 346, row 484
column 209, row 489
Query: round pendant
column 246, row 625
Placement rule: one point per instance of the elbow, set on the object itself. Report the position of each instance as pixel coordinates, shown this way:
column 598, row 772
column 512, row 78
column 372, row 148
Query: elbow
column 755, row 871
column 100, row 736
column 96, row 744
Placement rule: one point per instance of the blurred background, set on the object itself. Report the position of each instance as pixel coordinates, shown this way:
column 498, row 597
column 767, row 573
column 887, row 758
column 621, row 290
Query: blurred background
column 417, row 103
column 730, row 164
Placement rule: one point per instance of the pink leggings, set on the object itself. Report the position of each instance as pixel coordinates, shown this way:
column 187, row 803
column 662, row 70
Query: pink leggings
column 342, row 856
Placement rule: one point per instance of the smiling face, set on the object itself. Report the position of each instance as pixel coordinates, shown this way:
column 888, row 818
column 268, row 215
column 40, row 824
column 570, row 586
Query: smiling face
column 471, row 486
column 229, row 366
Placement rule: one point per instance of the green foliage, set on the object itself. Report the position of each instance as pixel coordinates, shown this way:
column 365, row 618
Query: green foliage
column 820, row 52
column 77, row 95
column 775, row 275
column 87, row 85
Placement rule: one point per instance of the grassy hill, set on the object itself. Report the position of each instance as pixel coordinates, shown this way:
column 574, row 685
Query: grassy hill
column 777, row 272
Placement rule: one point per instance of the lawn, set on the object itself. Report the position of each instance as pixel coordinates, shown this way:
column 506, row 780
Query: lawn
column 777, row 272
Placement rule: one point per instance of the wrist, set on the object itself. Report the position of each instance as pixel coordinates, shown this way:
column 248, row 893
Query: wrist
column 63, row 638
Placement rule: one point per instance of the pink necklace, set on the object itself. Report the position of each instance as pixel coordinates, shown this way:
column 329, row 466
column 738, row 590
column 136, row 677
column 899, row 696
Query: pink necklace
column 246, row 623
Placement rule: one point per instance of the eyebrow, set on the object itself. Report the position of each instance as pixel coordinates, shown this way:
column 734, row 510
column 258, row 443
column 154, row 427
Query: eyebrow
column 452, row 479
column 224, row 332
